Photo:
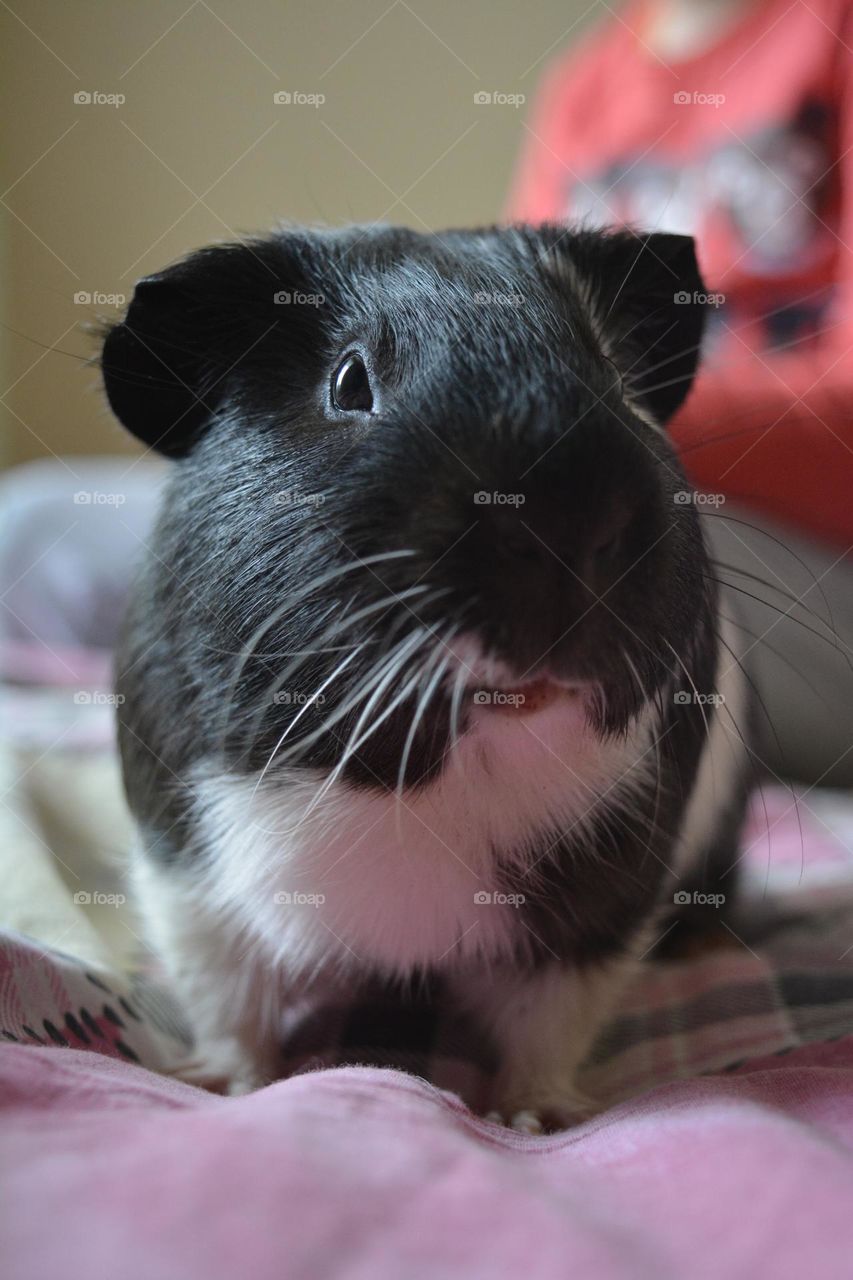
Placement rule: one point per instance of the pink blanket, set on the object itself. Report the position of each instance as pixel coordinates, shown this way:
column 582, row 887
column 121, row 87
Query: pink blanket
column 109, row 1170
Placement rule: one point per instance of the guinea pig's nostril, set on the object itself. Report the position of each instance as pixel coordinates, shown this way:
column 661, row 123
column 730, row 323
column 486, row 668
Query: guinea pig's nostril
column 606, row 553
column 612, row 533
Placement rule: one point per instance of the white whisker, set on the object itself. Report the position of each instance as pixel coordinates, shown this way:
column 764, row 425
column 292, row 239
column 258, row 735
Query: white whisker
column 420, row 711
column 311, row 702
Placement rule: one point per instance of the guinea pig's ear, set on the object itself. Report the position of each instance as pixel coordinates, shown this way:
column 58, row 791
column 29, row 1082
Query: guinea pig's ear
column 164, row 366
column 648, row 307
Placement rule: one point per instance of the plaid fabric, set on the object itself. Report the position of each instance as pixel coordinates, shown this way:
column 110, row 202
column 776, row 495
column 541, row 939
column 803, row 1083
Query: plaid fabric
column 49, row 997
column 782, row 980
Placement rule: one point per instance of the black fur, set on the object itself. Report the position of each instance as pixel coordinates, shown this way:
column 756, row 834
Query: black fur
column 506, row 361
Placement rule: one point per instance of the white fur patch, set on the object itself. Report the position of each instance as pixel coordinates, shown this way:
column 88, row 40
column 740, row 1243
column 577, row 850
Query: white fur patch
column 393, row 884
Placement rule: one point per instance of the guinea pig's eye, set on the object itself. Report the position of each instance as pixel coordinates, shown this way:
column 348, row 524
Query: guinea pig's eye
column 351, row 386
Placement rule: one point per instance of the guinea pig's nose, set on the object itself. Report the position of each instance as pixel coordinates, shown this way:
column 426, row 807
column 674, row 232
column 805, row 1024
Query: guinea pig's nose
column 523, row 537
column 605, row 551
column 546, row 545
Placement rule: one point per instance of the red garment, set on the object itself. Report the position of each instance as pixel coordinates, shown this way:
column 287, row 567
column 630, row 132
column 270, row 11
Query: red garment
column 749, row 147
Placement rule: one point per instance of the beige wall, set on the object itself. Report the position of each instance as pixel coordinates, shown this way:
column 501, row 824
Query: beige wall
column 101, row 194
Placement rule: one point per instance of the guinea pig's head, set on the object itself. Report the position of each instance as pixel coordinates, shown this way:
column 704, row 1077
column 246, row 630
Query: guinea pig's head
column 417, row 477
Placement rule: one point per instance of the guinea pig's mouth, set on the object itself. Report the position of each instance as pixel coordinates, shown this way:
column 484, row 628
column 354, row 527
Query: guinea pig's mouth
column 492, row 686
column 527, row 696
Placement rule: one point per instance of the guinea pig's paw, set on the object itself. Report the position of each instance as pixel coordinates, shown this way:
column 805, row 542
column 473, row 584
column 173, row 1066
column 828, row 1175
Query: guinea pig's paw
column 222, row 1066
column 198, row 1072
column 247, row 1083
column 545, row 1113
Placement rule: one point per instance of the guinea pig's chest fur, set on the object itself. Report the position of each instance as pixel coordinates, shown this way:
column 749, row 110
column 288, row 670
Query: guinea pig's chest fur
column 424, row 879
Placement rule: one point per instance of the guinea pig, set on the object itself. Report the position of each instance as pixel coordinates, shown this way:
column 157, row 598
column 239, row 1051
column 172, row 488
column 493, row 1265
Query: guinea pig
column 423, row 677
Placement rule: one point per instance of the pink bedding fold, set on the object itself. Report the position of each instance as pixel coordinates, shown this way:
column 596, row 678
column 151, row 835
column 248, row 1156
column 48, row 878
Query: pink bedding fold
column 109, row 1170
